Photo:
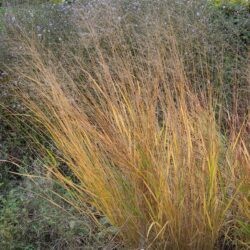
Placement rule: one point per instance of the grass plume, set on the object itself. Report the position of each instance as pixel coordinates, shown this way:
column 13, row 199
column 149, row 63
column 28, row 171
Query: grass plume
column 143, row 143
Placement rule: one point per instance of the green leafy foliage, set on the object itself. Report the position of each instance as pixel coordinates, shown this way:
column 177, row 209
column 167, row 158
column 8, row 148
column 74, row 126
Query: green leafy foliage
column 238, row 16
column 231, row 2
column 28, row 221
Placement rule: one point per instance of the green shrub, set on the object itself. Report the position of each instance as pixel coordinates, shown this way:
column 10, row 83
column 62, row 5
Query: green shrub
column 231, row 2
column 28, row 221
column 237, row 16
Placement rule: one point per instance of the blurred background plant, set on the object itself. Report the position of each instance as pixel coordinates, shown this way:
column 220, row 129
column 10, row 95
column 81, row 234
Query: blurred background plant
column 213, row 40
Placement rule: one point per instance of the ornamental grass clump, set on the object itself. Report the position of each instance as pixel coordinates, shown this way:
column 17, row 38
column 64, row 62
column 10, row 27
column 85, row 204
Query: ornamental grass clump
column 143, row 143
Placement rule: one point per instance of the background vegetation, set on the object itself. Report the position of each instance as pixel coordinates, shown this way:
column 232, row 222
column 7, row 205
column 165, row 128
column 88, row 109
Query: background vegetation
column 46, row 41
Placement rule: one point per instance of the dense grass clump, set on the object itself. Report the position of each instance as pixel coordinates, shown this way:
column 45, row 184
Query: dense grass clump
column 135, row 107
